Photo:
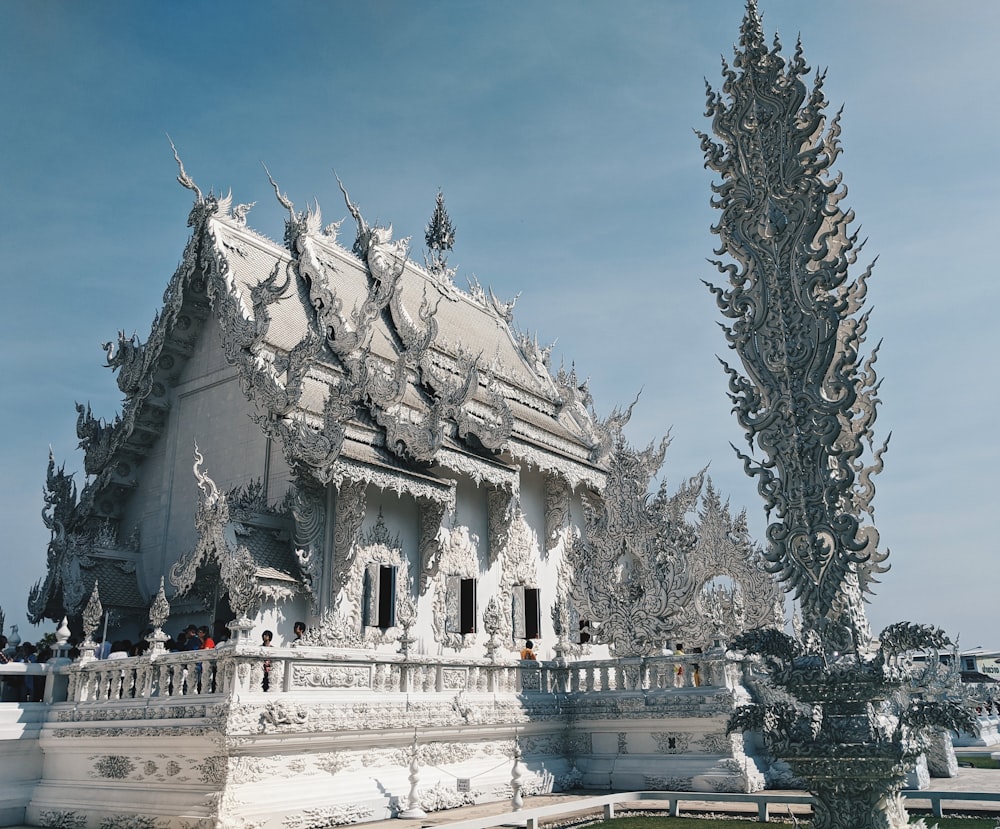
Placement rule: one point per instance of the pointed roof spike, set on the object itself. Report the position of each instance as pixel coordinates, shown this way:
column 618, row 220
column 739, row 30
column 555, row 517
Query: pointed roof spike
column 182, row 177
column 282, row 198
column 363, row 237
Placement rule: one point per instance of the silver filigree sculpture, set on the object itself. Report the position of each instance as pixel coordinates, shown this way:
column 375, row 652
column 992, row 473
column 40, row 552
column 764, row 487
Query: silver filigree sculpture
column 159, row 612
column 844, row 714
column 492, row 624
column 630, row 577
column 92, row 615
column 440, row 238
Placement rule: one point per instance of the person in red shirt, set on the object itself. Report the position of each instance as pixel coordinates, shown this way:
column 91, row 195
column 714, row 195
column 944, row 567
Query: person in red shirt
column 206, row 640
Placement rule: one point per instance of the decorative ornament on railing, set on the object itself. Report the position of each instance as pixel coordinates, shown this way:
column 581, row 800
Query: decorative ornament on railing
column 159, row 612
column 93, row 613
column 406, row 618
column 492, row 624
column 844, row 714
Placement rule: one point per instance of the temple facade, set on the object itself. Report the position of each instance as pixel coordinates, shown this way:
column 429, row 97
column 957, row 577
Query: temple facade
column 339, row 435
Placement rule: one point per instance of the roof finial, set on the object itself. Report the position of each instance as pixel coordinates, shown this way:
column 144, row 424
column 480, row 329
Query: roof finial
column 440, row 238
column 183, row 178
column 363, row 238
column 282, row 198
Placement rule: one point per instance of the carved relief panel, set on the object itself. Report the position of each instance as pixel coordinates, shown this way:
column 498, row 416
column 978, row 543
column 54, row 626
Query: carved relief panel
column 308, row 505
column 557, row 498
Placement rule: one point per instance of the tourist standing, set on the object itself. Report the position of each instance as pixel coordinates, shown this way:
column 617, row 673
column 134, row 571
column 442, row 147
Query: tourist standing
column 265, row 642
column 193, row 641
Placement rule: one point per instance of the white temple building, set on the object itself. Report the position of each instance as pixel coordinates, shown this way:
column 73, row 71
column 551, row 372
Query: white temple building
column 325, row 430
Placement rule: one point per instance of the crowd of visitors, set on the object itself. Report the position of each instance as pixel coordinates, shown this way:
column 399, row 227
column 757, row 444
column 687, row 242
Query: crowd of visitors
column 24, row 687
column 30, row 688
column 194, row 638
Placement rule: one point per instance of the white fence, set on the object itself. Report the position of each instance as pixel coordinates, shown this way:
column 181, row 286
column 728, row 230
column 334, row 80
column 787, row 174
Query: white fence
column 230, row 670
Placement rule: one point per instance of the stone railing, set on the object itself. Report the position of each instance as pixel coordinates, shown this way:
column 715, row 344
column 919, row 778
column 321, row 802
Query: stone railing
column 645, row 673
column 185, row 674
column 236, row 671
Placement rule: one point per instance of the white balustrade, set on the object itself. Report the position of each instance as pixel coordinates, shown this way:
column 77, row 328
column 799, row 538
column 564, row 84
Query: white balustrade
column 240, row 670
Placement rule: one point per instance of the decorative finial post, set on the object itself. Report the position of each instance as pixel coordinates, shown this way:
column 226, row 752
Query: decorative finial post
column 516, row 778
column 413, row 810
column 62, row 638
column 57, row 682
column 93, row 613
column 807, row 400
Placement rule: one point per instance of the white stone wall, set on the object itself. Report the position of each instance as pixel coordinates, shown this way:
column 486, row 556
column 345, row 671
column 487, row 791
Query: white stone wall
column 207, row 407
column 20, row 758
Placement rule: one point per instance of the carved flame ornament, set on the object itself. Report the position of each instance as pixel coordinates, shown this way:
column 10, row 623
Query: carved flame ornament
column 845, row 715
column 807, row 398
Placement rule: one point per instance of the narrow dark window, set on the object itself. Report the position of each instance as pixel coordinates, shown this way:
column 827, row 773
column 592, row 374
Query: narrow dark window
column 532, row 613
column 380, row 595
column 387, row 597
column 460, row 605
column 467, row 621
column 526, row 613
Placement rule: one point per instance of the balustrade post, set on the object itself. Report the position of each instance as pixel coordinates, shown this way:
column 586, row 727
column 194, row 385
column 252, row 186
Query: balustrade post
column 164, row 680
column 56, row 681
column 657, row 675
column 281, row 674
column 72, row 687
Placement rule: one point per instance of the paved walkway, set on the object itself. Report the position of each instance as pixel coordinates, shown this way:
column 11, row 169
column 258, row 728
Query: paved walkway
column 968, row 780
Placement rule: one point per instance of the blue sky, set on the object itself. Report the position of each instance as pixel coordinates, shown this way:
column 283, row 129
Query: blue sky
column 561, row 135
